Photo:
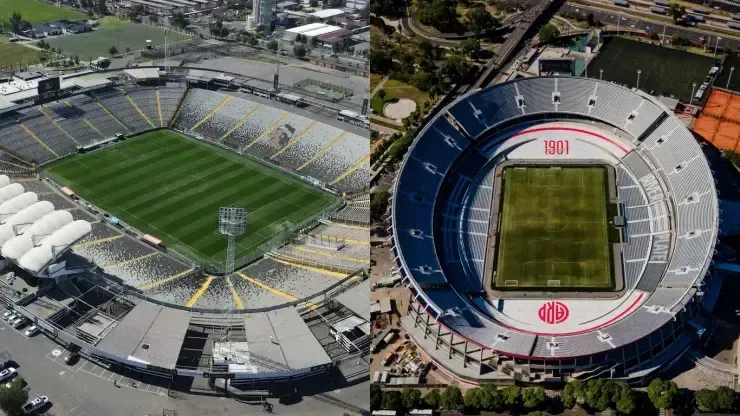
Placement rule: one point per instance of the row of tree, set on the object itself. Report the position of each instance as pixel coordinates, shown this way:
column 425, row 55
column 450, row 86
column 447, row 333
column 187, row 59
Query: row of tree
column 443, row 16
column 596, row 395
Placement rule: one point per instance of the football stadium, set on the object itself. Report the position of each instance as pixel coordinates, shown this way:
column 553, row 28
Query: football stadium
column 554, row 227
column 184, row 226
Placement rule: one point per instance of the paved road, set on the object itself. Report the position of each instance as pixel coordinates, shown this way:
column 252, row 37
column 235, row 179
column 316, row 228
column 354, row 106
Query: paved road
column 87, row 389
column 695, row 35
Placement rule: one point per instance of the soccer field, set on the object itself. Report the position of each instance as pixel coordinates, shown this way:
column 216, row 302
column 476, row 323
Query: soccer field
column 554, row 229
column 37, row 12
column 171, row 186
column 665, row 71
column 93, row 45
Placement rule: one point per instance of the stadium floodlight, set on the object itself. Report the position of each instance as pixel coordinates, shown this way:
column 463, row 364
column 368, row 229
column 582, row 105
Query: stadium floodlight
column 232, row 222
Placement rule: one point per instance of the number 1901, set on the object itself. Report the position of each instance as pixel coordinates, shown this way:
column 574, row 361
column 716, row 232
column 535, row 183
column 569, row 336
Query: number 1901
column 557, row 147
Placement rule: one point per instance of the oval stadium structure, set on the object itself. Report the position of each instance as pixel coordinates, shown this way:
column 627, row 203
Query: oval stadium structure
column 551, row 227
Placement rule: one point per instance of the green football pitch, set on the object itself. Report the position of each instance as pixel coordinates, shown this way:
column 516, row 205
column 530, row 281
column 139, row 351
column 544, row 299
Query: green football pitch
column 171, row 186
column 554, row 230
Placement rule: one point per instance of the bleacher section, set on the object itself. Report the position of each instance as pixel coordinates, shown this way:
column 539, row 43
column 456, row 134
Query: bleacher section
column 310, row 148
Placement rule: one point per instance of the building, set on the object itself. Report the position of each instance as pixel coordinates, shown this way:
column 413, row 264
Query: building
column 327, row 15
column 263, row 13
column 314, row 30
column 483, row 323
column 42, row 31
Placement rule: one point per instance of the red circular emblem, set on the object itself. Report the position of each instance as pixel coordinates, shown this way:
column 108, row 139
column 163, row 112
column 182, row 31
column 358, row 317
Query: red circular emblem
column 553, row 312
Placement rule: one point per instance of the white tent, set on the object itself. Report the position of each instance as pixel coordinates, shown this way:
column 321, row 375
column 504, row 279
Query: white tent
column 15, row 224
column 17, row 246
column 39, row 257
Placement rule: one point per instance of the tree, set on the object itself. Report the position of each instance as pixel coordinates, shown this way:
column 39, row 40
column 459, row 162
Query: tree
column 410, row 398
column 440, row 14
column 272, row 45
column 663, row 393
column 300, row 50
column 128, row 49
column 313, row 3
column 470, row 47
column 474, row 398
column 391, row 400
column 479, row 20
column 549, row 33
column 534, row 397
column 253, row 41
column 492, row 398
column 179, row 20
column 376, row 397
column 16, row 21
column 153, row 18
column 77, row 59
column 433, row 398
column 627, row 402
column 451, row 398
column 677, row 12
column 591, row 20
column 12, row 399
column 720, row 400
column 381, row 94
column 512, row 396
column 100, row 8
column 113, row 50
column 378, row 207
column 573, row 393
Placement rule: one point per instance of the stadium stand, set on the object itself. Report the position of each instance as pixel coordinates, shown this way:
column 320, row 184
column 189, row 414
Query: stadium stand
column 666, row 191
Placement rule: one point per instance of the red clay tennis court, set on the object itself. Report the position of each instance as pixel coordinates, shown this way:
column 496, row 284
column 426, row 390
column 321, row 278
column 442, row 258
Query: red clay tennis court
column 719, row 121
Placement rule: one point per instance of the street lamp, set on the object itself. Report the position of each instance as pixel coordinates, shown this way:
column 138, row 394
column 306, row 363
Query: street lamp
column 693, row 86
column 732, row 68
column 601, row 74
column 716, row 44
column 639, row 71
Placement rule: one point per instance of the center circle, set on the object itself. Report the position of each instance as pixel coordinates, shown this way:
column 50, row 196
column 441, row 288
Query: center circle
column 554, row 222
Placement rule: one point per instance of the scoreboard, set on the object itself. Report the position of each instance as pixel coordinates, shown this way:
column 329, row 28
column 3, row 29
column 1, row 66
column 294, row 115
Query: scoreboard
column 48, row 85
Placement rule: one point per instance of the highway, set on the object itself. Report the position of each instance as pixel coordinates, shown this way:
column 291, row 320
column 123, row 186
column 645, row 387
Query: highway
column 609, row 17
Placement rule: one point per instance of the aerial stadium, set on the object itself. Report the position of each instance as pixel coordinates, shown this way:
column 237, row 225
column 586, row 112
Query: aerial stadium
column 183, row 225
column 555, row 228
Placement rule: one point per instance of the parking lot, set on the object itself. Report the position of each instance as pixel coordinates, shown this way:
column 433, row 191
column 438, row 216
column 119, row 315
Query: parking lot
column 119, row 377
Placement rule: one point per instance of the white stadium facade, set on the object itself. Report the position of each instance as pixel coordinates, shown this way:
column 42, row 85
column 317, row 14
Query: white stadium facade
column 441, row 210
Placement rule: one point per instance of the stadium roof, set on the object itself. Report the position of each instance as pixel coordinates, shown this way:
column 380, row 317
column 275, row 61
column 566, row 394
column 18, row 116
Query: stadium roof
column 282, row 336
column 23, row 219
column 35, row 259
column 149, row 334
column 142, row 73
column 15, row 247
column 324, row 14
column 356, row 299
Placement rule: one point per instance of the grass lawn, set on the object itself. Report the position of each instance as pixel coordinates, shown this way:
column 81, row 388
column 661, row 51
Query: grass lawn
column 171, row 186
column 395, row 89
column 120, row 34
column 12, row 54
column 37, row 12
column 665, row 71
column 554, row 229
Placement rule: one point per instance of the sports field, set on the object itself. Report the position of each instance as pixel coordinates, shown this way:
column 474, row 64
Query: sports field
column 554, row 229
column 38, row 12
column 665, row 71
column 171, row 186
column 93, row 45
column 12, row 55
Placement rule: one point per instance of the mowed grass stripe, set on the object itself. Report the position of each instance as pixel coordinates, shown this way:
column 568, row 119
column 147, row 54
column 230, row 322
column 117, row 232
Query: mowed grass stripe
column 555, row 228
column 171, row 186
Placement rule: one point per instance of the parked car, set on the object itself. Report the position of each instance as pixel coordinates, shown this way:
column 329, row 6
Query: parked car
column 35, row 404
column 10, row 317
column 8, row 373
column 18, row 322
column 7, row 314
column 32, row 330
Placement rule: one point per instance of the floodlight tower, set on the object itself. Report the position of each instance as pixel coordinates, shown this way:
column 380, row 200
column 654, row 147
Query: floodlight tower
column 232, row 222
